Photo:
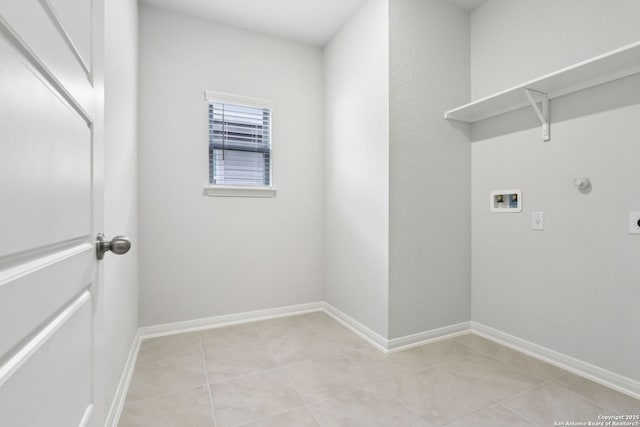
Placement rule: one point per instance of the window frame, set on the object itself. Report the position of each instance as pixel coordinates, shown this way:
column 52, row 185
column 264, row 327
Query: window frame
column 226, row 190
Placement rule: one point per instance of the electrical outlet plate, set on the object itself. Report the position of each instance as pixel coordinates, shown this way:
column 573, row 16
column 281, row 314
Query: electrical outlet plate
column 634, row 223
column 537, row 221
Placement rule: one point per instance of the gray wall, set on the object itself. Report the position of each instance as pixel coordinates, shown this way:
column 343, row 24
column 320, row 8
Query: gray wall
column 574, row 287
column 208, row 256
column 121, row 186
column 516, row 41
column 429, row 177
column 356, row 173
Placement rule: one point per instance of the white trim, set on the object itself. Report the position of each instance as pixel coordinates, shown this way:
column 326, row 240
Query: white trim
column 229, row 98
column 375, row 339
column 39, row 261
column 426, row 337
column 227, row 320
column 610, row 66
column 86, row 417
column 57, row 22
column 396, row 344
column 239, row 191
column 586, row 370
column 11, row 366
column 38, row 67
column 123, row 385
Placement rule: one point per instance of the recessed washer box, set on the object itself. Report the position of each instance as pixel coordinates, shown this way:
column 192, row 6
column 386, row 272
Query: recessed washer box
column 634, row 222
column 506, row 201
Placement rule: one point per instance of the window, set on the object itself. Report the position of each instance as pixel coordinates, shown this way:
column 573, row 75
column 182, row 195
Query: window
column 239, row 141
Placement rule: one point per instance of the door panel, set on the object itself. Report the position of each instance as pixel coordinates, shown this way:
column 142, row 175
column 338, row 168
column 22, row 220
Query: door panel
column 34, row 291
column 74, row 17
column 51, row 104
column 39, row 33
column 59, row 355
column 46, row 159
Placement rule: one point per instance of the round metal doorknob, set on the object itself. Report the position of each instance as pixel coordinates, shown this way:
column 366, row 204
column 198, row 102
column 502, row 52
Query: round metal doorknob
column 118, row 245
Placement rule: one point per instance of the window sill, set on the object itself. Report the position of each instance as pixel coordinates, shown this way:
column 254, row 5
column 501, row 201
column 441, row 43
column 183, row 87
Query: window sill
column 239, row 191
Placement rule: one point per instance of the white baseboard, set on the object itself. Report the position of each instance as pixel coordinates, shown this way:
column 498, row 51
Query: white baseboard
column 227, row 320
column 396, row 344
column 421, row 338
column 586, row 370
column 375, row 339
column 123, row 385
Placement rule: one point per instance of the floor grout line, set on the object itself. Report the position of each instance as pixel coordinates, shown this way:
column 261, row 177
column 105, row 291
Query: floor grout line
column 411, row 411
column 259, row 373
column 523, row 392
column 592, row 401
column 484, row 394
column 286, row 411
column 355, row 390
column 169, row 394
column 206, row 375
column 519, row 414
column 314, row 415
column 279, row 365
column 284, row 370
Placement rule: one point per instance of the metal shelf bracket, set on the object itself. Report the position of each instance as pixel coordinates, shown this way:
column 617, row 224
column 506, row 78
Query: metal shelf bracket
column 543, row 115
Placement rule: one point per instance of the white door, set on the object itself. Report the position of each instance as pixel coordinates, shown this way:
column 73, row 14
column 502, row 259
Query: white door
column 50, row 211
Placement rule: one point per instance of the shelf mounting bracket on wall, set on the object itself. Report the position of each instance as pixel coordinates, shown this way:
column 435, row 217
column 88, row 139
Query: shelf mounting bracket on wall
column 543, row 115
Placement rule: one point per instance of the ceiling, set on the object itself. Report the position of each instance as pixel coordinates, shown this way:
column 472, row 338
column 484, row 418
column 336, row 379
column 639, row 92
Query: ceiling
column 307, row 21
column 311, row 22
column 468, row 4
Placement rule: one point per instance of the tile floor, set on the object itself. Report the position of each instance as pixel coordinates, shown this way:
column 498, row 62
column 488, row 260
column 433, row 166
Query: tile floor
column 309, row 370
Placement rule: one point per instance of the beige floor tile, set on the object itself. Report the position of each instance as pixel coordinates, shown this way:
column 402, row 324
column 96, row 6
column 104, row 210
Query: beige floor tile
column 322, row 322
column 292, row 340
column 231, row 362
column 275, row 328
column 495, row 416
column 350, row 345
column 330, row 329
column 549, row 403
column 237, row 336
column 601, row 395
column 496, row 379
column 295, row 346
column 476, row 342
column 528, row 364
column 300, row 417
column 169, row 347
column 439, row 397
column 325, row 377
column 379, row 366
column 191, row 408
column 262, row 373
column 408, row 355
column 441, row 352
column 253, row 397
column 365, row 408
column 155, row 379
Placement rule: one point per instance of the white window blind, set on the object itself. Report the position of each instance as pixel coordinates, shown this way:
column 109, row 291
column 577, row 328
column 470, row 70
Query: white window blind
column 239, row 144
